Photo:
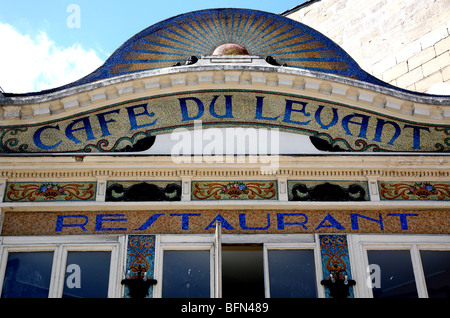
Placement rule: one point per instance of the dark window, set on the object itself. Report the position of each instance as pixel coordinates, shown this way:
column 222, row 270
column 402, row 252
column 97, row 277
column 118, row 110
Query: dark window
column 292, row 274
column 242, row 271
column 87, row 275
column 436, row 268
column 28, row 275
column 396, row 273
column 186, row 274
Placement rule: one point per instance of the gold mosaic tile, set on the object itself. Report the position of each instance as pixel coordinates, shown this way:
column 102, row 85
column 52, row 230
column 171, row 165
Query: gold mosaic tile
column 241, row 221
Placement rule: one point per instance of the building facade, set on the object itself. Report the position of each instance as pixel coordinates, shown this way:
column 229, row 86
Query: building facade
column 405, row 43
column 225, row 153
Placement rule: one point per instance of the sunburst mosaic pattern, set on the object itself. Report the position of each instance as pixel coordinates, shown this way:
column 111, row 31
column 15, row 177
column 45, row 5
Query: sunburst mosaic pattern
column 200, row 33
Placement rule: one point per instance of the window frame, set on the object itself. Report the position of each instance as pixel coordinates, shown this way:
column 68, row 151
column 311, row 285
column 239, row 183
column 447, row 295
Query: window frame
column 61, row 246
column 182, row 243
column 360, row 244
column 294, row 246
column 207, row 242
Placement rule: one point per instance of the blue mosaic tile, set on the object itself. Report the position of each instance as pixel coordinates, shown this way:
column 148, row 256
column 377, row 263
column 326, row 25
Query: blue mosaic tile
column 335, row 259
column 140, row 252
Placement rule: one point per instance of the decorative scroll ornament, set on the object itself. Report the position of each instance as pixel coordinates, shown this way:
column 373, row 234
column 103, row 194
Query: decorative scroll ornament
column 143, row 192
column 234, row 190
column 415, row 191
column 50, row 191
column 334, row 249
column 328, row 192
column 140, row 251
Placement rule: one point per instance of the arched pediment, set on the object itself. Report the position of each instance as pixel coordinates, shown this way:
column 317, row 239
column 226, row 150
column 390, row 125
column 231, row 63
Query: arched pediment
column 200, row 33
column 286, row 76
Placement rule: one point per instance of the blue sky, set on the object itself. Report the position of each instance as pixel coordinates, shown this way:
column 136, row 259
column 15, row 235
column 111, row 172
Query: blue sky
column 47, row 43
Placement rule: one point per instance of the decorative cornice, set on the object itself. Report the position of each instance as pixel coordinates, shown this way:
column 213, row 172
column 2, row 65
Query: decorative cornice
column 257, row 75
column 163, row 168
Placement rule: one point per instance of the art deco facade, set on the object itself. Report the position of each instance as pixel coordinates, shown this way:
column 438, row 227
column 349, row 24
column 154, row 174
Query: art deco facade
column 224, row 153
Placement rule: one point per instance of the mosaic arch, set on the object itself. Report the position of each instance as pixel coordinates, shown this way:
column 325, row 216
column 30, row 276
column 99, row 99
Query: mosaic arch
column 280, row 47
column 200, row 33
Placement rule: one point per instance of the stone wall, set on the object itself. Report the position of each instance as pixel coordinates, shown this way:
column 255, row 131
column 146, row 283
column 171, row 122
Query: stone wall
column 402, row 42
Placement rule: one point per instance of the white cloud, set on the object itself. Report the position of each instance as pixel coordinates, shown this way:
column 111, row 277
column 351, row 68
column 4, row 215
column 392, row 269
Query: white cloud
column 30, row 64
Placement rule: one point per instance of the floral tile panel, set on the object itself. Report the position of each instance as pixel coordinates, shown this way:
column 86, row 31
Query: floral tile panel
column 424, row 190
column 50, row 191
column 234, row 190
column 335, row 262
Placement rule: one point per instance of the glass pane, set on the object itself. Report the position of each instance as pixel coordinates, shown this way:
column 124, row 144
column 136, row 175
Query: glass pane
column 28, row 275
column 87, row 275
column 396, row 274
column 292, row 274
column 186, row 274
column 242, row 271
column 436, row 267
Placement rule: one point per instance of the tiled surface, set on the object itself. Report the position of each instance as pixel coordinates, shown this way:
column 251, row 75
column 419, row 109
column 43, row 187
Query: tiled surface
column 308, row 190
column 49, row 191
column 143, row 191
column 419, row 190
column 335, row 258
column 233, row 221
column 237, row 190
column 340, row 125
column 199, row 33
column 140, row 252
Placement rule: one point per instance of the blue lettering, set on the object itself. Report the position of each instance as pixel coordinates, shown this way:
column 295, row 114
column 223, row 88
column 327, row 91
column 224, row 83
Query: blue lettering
column 319, row 120
column 60, row 222
column 103, row 122
column 364, row 124
column 221, row 219
column 403, row 220
column 242, row 223
column 259, row 109
column 416, row 135
column 149, row 222
column 184, row 110
column 37, row 138
column 185, row 219
column 332, row 221
column 281, row 223
column 289, row 110
column 132, row 116
column 228, row 107
column 86, row 127
column 379, row 130
column 106, row 218
column 354, row 220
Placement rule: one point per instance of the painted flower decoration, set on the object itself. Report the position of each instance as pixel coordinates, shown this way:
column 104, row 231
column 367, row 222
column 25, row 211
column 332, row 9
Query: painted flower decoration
column 422, row 186
column 50, row 186
column 235, row 185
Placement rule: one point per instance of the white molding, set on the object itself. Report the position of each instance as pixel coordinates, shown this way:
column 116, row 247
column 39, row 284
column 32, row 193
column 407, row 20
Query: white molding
column 359, row 244
column 15, row 168
column 60, row 246
column 207, row 75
